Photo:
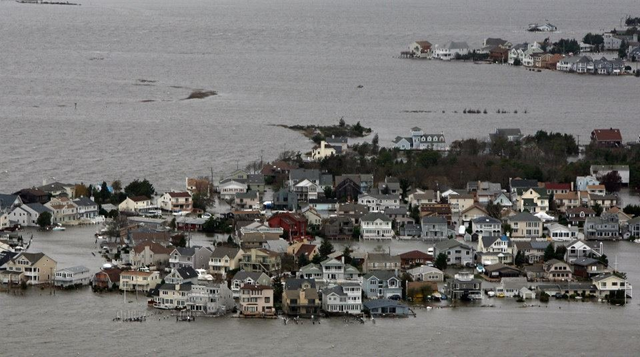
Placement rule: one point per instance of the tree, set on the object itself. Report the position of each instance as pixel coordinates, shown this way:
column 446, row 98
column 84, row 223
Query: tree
column 604, row 260
column 172, row 224
column 549, row 253
column 346, row 254
column 325, row 249
column 356, row 232
column 328, row 192
column 612, row 181
column 560, row 252
column 517, row 62
column 622, row 51
column 211, row 225
column 375, row 141
column 302, row 260
column 117, row 186
column 140, row 188
column 494, row 210
column 199, row 201
column 277, row 291
column 341, row 123
column 632, row 210
column 81, row 191
column 598, row 209
column 441, row 261
column 415, row 214
column 44, row 219
column 520, row 259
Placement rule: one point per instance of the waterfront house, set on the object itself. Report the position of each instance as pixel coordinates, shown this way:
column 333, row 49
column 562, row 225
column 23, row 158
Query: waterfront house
column 27, row 215
column 402, row 143
column 294, row 225
column 414, row 258
column 511, row 287
column 379, row 202
column 87, row 209
column 172, row 296
column 499, row 55
column 578, row 64
column 376, row 226
column 137, row 204
column 434, row 228
column 243, row 278
column 32, row 268
column 451, row 50
column 59, row 189
column 247, row 200
column 255, row 182
column 583, row 249
column 596, row 190
column 381, row 285
column 499, row 270
column 332, row 271
column 611, row 282
column 602, row 170
column 533, row 250
column 176, row 202
column 497, row 244
column 577, row 216
column 148, row 253
column 524, row 225
column 582, row 182
column 224, row 259
column 386, row 307
column 353, row 211
column 633, row 227
column 410, row 230
column 338, row 228
column 508, row 134
column 63, row 209
column 557, row 270
column 529, row 55
column 560, row 233
column 237, row 174
column 588, row 267
column 210, row 299
column 139, row 280
column 418, row 140
column 73, row 276
column 325, row 150
column 256, row 300
column 196, row 257
column 426, row 273
column 107, row 279
column 342, row 299
column 465, row 287
column 229, row 188
column 606, row 137
column 261, row 260
column 182, row 275
column 421, row 49
column 623, row 218
column 340, row 143
column 200, row 185
column 602, row 228
column 457, row 252
column 487, row 226
column 381, row 261
column 32, row 195
column 300, row 298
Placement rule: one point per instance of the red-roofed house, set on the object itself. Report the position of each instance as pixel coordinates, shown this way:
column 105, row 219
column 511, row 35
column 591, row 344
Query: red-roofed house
column 607, row 137
column 414, row 258
column 176, row 202
column 303, row 248
column 294, row 225
column 107, row 279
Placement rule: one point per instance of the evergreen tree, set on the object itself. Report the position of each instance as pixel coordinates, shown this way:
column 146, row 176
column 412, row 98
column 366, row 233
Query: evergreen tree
column 325, row 249
column 441, row 261
column 549, row 253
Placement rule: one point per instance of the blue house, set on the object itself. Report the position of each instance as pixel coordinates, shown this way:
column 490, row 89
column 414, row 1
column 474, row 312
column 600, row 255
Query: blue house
column 381, row 285
column 386, row 307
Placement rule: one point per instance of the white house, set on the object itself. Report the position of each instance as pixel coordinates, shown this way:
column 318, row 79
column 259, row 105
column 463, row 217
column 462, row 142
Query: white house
column 176, row 202
column 346, row 299
column 27, row 215
column 421, row 49
column 306, row 190
column 137, row 204
column 74, row 276
column 450, row 50
column 324, row 150
column 376, row 225
column 64, row 210
column 229, row 188
column 379, row 203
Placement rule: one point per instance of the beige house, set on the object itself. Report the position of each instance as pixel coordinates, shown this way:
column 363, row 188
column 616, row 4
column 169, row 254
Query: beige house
column 256, row 300
column 63, row 210
column 136, row 204
column 557, row 270
column 472, row 212
column 460, row 203
column 322, row 151
column 313, row 217
column 176, row 202
column 610, row 282
column 566, row 201
column 32, row 268
column 261, row 260
column 139, row 280
column 247, row 200
column 524, row 225
column 149, row 253
column 300, row 298
column 224, row 259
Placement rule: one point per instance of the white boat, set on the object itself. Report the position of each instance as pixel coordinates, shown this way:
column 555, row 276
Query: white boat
column 203, row 275
column 58, row 227
column 491, row 293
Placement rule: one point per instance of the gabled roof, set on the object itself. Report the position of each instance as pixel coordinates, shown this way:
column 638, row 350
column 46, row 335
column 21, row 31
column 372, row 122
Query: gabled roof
column 434, row 220
column 76, row 269
column 38, row 207
column 242, row 275
column 415, row 254
column 296, row 284
column 373, row 216
column 221, row 252
column 524, row 217
column 378, row 303
column 153, row 246
column 31, row 257
column 607, row 134
column 139, row 198
column 381, row 275
column 582, row 261
column 486, row 219
column 187, row 272
column 450, row 243
column 84, row 202
column 306, row 250
column 179, row 194
column 606, row 276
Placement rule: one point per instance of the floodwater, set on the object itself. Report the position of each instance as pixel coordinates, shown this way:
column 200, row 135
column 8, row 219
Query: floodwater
column 95, row 92
column 80, row 322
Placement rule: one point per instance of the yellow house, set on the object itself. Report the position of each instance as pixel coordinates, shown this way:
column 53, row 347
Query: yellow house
column 139, row 280
column 460, row 203
column 324, row 150
column 32, row 268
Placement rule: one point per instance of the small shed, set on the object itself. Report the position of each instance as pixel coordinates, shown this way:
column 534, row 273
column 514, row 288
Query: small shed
column 525, row 293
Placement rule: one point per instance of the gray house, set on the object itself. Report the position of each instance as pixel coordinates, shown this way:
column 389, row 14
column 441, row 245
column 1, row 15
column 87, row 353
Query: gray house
column 196, row 257
column 598, row 228
column 386, row 307
column 487, row 226
column 285, row 200
column 434, row 228
column 465, row 287
column 457, row 253
column 634, row 227
column 380, row 284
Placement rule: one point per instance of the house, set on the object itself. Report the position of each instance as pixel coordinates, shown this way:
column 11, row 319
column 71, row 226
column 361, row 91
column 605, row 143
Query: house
column 190, row 224
column 261, row 260
column 496, row 244
column 381, row 261
column 182, row 275
column 588, row 267
column 314, row 219
column 258, row 239
column 414, row 258
column 542, row 28
column 376, row 226
column 285, row 200
column 421, row 49
column 300, row 298
column 465, row 287
column 582, row 182
column 511, row 287
column 224, row 259
column 200, row 185
column 148, row 253
column 353, row 211
column 64, row 210
column 87, row 209
column 557, row 270
column 330, row 271
column 503, row 200
column 426, row 197
column 496, row 43
column 633, row 227
column 566, row 201
column 487, row 226
column 472, row 212
column 243, row 278
column 256, row 300
column 434, row 228
column 58, row 189
column 294, row 225
column 196, row 257
column 577, row 216
column 421, row 141
column 325, row 150
column 247, row 200
column 210, row 299
column 379, row 202
column 500, row 270
column 32, row 195
column 303, row 249
column 256, row 182
column 602, row 170
column 137, row 204
column 560, row 233
column 402, row 143
column 176, row 202
column 524, row 225
column 386, row 307
column 606, row 137
column 338, row 228
column 347, row 189
column 578, row 64
column 306, row 190
column 604, row 201
column 364, row 180
column 32, row 268
column 611, row 282
column 342, row 299
column 73, row 276
column 139, row 280
column 499, row 55
column 229, row 188
column 533, row 251
column 623, row 218
column 457, row 252
column 410, row 229
column 426, row 273
column 581, row 249
column 27, row 215
column 528, row 58
column 381, row 284
column 451, row 50
column 534, row 200
column 599, row 228
column 107, row 279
